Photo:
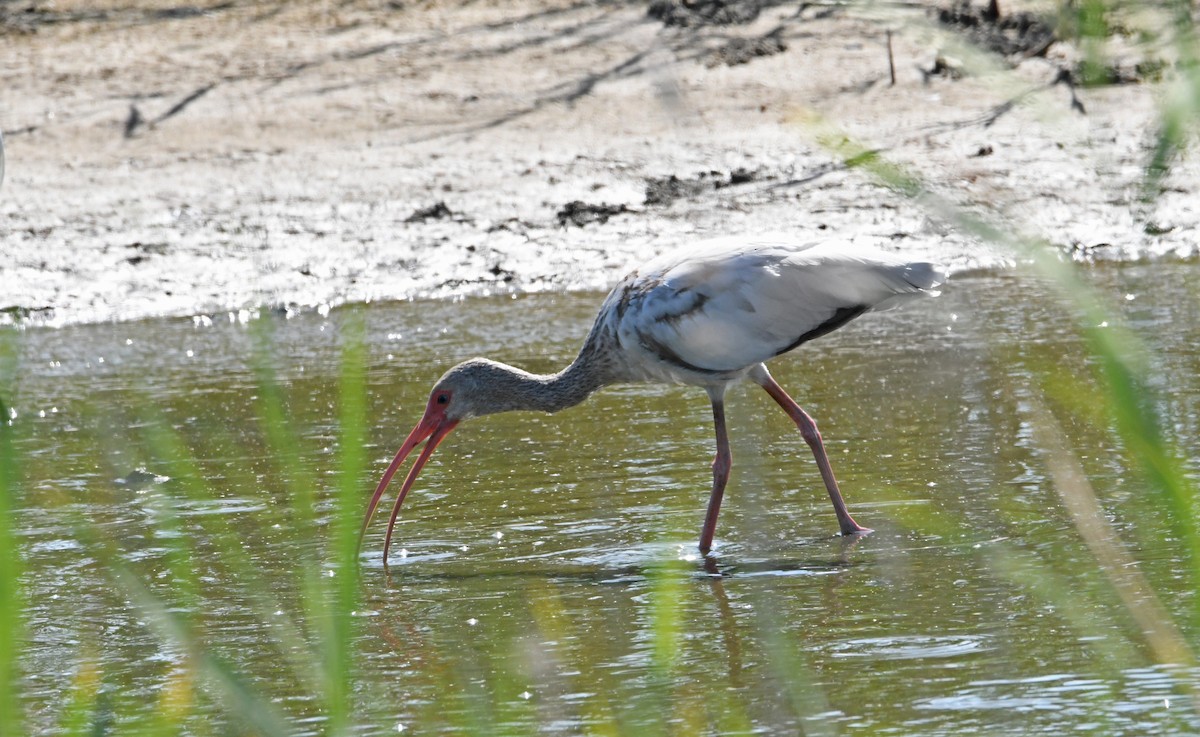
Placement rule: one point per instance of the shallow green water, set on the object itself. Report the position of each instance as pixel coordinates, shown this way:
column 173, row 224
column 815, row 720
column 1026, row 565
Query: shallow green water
column 539, row 556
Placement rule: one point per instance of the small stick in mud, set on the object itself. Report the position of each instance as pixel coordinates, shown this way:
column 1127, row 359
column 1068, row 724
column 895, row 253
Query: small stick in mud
column 134, row 120
column 891, row 60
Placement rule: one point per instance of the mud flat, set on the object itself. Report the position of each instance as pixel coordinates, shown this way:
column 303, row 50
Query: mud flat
column 203, row 159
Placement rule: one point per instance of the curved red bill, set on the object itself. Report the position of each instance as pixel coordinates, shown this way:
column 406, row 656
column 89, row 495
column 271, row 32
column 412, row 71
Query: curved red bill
column 435, row 426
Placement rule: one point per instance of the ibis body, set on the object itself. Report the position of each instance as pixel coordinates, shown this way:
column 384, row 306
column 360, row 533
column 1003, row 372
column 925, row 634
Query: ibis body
column 708, row 315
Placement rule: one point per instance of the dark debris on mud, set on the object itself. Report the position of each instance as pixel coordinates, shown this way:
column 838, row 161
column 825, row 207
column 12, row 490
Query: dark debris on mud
column 581, row 214
column 437, row 211
column 31, row 16
column 744, row 50
column 693, row 13
column 14, row 314
column 143, row 251
column 661, row 191
column 1024, row 34
column 1138, row 72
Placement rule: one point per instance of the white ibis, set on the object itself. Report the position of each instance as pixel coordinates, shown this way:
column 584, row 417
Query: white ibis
column 707, row 315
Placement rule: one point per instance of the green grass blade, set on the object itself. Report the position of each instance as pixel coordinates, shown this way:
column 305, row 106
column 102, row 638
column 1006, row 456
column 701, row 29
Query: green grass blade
column 166, row 446
column 79, row 716
column 252, row 712
column 11, row 597
column 667, row 599
column 285, row 450
column 339, row 635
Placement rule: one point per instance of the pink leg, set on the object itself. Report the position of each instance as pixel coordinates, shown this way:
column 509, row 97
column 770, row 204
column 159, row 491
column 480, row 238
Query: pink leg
column 808, row 431
column 721, row 465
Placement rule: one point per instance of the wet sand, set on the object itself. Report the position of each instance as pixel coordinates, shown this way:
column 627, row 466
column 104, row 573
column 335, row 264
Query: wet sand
column 182, row 160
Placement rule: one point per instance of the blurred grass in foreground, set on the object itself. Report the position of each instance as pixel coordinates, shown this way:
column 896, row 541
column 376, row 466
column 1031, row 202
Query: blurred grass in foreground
column 11, row 600
column 315, row 643
column 1117, row 394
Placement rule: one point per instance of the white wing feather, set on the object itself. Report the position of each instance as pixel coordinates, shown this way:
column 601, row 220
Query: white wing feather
column 728, row 305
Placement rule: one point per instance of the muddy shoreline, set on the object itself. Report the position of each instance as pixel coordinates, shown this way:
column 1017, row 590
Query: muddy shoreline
column 240, row 155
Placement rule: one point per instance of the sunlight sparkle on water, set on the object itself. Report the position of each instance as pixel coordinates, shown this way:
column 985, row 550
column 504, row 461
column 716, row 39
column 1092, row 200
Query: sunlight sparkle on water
column 687, row 554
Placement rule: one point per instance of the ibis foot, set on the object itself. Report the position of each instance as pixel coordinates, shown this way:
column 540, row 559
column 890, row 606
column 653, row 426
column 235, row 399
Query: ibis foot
column 853, row 528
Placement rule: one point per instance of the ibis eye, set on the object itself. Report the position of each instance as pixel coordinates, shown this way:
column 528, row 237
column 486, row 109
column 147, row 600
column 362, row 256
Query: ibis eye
column 443, row 398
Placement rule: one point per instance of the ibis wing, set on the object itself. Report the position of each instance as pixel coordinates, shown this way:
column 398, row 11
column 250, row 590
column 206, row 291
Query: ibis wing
column 730, row 305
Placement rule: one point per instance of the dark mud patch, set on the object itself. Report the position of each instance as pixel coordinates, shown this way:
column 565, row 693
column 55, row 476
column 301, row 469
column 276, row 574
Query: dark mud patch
column 144, row 250
column 502, row 274
column 512, row 225
column 1018, row 34
column 744, row 50
column 437, row 211
column 693, row 13
column 15, row 314
column 1025, row 35
column 662, row 191
column 944, row 66
column 581, row 214
column 30, row 17
column 1144, row 71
